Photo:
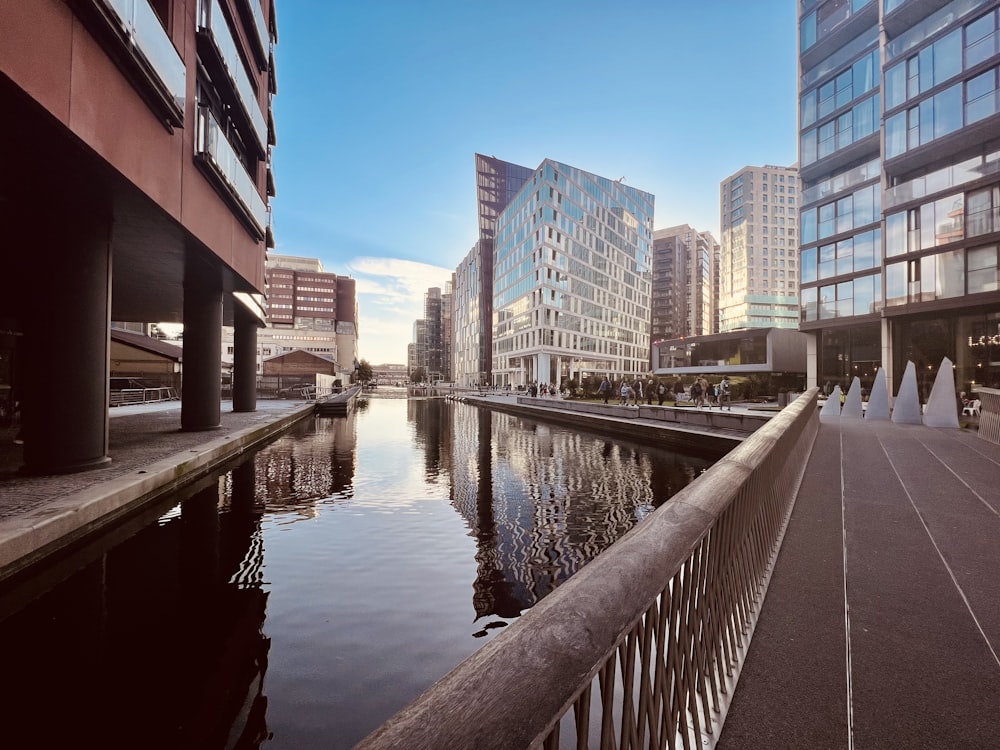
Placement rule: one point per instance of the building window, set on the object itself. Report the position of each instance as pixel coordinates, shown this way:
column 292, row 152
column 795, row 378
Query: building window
column 981, row 270
column 981, row 96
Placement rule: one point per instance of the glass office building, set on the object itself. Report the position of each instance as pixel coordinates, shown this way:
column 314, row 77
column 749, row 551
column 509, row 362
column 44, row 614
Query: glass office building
column 572, row 279
column 900, row 167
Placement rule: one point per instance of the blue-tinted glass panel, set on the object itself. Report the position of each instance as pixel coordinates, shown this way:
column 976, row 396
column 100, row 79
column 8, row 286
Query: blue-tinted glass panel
column 895, row 234
column 845, row 88
column 866, row 73
column 807, row 232
column 895, row 284
column 981, row 39
column 807, row 299
column 845, row 256
column 827, row 261
column 895, row 85
column 948, row 57
column 864, row 206
column 895, row 135
column 981, row 96
column 827, row 302
column 808, row 111
column 808, row 262
column 864, row 295
column 947, row 111
column 950, row 274
column 864, row 251
column 807, row 31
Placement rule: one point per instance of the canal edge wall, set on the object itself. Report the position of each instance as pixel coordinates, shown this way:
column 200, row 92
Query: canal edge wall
column 710, row 434
column 68, row 520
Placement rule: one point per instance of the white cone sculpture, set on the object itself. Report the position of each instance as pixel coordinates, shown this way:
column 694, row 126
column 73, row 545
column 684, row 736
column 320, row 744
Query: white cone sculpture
column 852, row 406
column 878, row 401
column 832, row 406
column 942, row 409
column 906, row 410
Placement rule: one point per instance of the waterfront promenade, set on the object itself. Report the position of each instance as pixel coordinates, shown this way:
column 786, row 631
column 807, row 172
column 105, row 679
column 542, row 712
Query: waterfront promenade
column 881, row 626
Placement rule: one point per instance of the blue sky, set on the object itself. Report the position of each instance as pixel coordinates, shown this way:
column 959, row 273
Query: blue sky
column 382, row 105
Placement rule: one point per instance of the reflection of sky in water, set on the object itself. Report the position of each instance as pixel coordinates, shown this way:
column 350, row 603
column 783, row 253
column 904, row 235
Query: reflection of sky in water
column 454, row 521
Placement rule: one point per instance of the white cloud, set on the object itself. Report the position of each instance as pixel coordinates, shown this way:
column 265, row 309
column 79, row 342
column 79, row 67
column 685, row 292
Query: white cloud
column 390, row 298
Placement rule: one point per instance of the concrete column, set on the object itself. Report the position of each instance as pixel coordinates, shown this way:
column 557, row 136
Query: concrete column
column 202, row 382
column 244, row 361
column 64, row 413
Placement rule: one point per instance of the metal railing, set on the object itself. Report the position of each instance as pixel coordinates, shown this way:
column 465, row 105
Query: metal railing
column 212, row 144
column 127, row 396
column 989, row 414
column 144, row 31
column 213, row 21
column 643, row 647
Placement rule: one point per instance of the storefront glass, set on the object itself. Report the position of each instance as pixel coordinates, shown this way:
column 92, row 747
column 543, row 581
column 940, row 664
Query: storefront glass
column 846, row 353
column 971, row 342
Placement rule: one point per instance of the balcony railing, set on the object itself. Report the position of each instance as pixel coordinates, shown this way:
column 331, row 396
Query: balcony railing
column 213, row 147
column 213, row 22
column 260, row 24
column 641, row 648
column 145, row 34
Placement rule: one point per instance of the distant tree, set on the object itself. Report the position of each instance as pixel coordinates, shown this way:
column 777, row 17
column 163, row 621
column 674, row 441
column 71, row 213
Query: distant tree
column 364, row 371
column 418, row 375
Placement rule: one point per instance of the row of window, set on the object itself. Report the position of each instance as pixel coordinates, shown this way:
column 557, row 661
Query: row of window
column 851, row 126
column 942, row 276
column 948, row 219
column 860, row 296
column 856, row 209
column 947, row 275
column 858, row 253
column 840, row 91
column 821, row 22
column 943, row 113
column 959, row 50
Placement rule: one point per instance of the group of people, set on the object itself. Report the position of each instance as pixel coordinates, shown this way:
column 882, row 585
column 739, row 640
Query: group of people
column 702, row 392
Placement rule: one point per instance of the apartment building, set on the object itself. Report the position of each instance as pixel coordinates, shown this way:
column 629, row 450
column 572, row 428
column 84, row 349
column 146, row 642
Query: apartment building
column 758, row 277
column 137, row 180
column 685, row 283
column 900, row 167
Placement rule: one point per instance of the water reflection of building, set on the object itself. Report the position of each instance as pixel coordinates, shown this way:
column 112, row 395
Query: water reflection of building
column 162, row 634
column 428, row 417
column 315, row 460
column 543, row 501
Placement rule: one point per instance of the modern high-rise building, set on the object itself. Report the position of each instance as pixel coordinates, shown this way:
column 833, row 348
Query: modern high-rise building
column 497, row 182
column 138, row 167
column 758, row 275
column 685, row 296
column 437, row 334
column 900, row 165
column 572, row 279
column 468, row 369
column 419, row 344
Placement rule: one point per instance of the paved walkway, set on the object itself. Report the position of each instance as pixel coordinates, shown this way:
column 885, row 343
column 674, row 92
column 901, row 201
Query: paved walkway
column 138, row 435
column 881, row 626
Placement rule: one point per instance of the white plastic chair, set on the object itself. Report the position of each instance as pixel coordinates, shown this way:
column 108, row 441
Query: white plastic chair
column 972, row 408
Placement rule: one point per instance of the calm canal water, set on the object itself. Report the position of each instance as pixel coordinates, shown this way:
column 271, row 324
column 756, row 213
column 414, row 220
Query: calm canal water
column 303, row 597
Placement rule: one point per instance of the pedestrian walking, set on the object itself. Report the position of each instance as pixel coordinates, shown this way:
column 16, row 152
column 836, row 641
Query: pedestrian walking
column 604, row 389
column 661, row 391
column 724, row 393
